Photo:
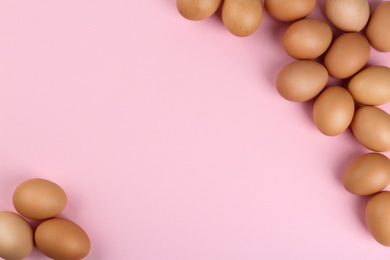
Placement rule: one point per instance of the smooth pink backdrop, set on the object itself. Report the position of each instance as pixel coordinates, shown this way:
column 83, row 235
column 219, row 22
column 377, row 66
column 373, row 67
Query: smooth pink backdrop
column 169, row 136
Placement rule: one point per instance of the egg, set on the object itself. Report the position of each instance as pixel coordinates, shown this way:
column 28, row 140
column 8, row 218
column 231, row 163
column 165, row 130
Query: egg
column 371, row 86
column 368, row 174
column 371, row 127
column 39, row 199
column 301, row 80
column 16, row 236
column 378, row 217
column 347, row 15
column 289, row 10
column 378, row 27
column 197, row 9
column 62, row 239
column 242, row 18
column 333, row 110
column 307, row 38
column 347, row 55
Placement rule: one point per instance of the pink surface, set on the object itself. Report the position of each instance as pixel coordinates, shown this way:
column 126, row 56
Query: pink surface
column 169, row 136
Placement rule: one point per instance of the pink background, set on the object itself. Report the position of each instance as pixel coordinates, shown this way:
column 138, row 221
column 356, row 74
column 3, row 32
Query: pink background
column 169, row 136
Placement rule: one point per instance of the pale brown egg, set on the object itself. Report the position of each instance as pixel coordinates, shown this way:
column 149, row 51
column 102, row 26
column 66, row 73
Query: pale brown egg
column 371, row 86
column 378, row 27
column 368, row 174
column 378, row 217
column 16, row 236
column 333, row 110
column 371, row 127
column 307, row 38
column 301, row 80
column 347, row 55
column 242, row 17
column 197, row 9
column 289, row 10
column 62, row 239
column 347, row 15
column 39, row 199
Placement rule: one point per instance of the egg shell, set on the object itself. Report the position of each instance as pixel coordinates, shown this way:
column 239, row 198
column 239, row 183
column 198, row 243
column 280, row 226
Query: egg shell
column 197, row 9
column 378, row 217
column 371, row 127
column 307, row 38
column 289, row 10
column 347, row 55
column 16, row 236
column 242, row 18
column 39, row 199
column 378, row 27
column 301, row 80
column 371, row 86
column 62, row 239
column 333, row 110
column 368, row 174
column 348, row 15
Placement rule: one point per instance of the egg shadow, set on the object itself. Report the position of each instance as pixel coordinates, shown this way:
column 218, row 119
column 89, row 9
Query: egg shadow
column 307, row 108
column 373, row 4
column 360, row 210
column 342, row 164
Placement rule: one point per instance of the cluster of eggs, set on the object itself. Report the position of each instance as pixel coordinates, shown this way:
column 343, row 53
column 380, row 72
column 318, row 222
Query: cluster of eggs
column 318, row 56
column 57, row 238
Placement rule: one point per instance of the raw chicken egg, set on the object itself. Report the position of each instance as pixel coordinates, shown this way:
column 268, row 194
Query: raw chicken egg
column 16, row 236
column 378, row 27
column 371, row 127
column 289, row 10
column 333, row 110
column 242, row 18
column 197, row 9
column 307, row 38
column 371, row 86
column 378, row 217
column 62, row 239
column 368, row 174
column 346, row 15
column 39, row 199
column 301, row 80
column 347, row 55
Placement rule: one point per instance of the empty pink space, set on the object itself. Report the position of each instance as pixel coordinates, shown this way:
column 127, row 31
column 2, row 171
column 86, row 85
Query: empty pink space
column 169, row 136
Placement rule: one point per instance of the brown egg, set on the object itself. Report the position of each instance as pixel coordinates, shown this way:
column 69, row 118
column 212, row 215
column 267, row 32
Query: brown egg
column 371, row 86
column 378, row 27
column 378, row 217
column 301, row 80
column 16, row 236
column 368, row 174
column 197, row 9
column 307, row 38
column 333, row 110
column 347, row 55
column 371, row 127
column 289, row 10
column 62, row 239
column 347, row 15
column 242, row 17
column 39, row 199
